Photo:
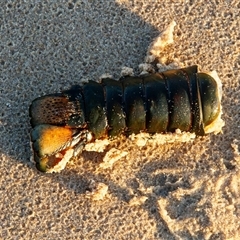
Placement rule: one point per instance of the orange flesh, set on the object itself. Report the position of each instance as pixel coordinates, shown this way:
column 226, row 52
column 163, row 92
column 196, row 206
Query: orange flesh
column 53, row 138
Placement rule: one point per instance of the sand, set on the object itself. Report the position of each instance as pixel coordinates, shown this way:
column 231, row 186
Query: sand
column 176, row 190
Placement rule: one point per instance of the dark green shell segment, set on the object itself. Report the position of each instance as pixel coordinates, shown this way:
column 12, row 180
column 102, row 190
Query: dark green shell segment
column 95, row 108
column 157, row 114
column 77, row 117
column 114, row 106
column 134, row 104
column 175, row 99
column 209, row 97
column 180, row 114
column 195, row 99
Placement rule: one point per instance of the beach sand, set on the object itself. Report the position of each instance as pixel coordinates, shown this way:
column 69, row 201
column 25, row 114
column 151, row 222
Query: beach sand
column 176, row 190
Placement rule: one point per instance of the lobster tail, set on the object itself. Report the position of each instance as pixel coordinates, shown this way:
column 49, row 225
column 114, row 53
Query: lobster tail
column 161, row 102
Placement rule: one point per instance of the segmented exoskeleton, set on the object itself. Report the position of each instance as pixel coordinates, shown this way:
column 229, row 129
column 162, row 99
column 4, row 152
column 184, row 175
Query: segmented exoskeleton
column 154, row 103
